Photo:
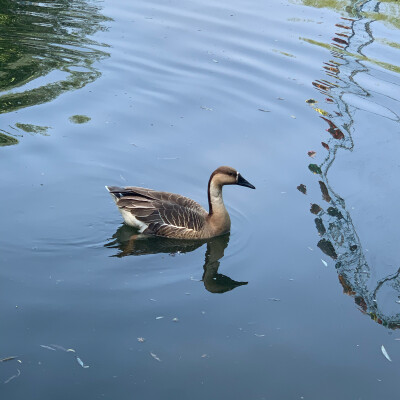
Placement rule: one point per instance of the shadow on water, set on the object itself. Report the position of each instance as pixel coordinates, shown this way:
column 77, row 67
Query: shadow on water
column 339, row 240
column 45, row 50
column 129, row 243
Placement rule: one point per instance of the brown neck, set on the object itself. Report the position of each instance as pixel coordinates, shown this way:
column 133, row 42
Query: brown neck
column 218, row 216
column 215, row 201
column 214, row 188
column 210, row 210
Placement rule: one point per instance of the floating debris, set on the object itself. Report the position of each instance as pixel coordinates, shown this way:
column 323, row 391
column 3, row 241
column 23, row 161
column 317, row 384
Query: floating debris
column 175, row 319
column 205, row 356
column 274, row 299
column 161, row 317
column 57, row 346
column 292, row 116
column 13, row 377
column 311, row 101
column 280, row 98
column 47, row 347
column 155, row 357
column 324, row 262
column 8, row 358
column 384, row 352
column 261, row 109
column 216, row 61
column 141, row 339
column 256, row 334
column 80, row 362
column 206, row 108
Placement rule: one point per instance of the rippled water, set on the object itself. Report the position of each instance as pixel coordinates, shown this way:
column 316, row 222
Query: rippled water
column 302, row 97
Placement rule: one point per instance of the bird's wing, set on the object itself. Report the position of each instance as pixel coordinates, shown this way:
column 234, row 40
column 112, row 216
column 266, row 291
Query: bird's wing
column 164, row 213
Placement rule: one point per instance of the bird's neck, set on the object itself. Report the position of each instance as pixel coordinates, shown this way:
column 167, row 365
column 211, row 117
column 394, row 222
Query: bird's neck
column 218, row 214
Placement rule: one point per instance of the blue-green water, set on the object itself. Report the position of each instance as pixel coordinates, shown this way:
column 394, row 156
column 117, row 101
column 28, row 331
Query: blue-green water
column 292, row 304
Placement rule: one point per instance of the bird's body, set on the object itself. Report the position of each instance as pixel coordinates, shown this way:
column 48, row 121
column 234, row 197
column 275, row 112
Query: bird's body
column 175, row 216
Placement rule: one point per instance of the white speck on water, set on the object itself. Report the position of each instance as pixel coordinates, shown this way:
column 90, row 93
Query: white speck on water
column 47, row 347
column 80, row 362
column 155, row 357
column 384, row 352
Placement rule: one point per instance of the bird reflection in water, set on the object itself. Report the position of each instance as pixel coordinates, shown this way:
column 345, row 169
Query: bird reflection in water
column 129, row 243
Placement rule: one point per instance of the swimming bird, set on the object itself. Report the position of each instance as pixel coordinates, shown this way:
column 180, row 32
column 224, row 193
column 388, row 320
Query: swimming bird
column 175, row 216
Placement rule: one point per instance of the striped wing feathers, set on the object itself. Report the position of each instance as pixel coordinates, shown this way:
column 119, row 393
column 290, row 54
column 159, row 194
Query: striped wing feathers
column 166, row 214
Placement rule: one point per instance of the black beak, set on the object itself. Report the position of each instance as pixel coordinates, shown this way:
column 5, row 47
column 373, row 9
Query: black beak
column 242, row 182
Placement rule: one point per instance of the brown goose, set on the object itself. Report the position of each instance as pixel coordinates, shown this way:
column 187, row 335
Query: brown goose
column 175, row 216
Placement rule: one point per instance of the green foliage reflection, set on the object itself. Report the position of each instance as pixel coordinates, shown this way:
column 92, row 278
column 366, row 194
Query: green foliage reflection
column 46, row 49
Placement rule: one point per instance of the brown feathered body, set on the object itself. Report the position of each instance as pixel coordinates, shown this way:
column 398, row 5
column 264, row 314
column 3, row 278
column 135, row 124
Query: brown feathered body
column 175, row 216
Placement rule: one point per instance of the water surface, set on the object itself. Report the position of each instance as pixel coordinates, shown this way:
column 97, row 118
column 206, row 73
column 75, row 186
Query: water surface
column 293, row 303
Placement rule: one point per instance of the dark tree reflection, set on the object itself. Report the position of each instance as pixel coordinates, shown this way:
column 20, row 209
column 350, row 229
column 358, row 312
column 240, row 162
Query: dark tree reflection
column 129, row 243
column 46, row 49
column 377, row 297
